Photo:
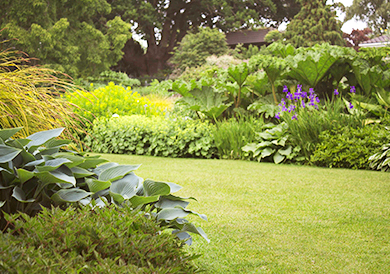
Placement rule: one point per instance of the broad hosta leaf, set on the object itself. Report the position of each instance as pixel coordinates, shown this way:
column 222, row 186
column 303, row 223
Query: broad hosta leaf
column 35, row 163
column 117, row 172
column 142, row 200
column 19, row 195
column 125, row 188
column 39, row 138
column 267, row 152
column 8, row 132
column 7, row 153
column 165, row 202
column 91, row 162
column 24, row 175
column 57, row 143
column 173, row 213
column 174, row 187
column 286, row 151
column 182, row 235
column 197, row 230
column 81, row 172
column 96, row 185
column 60, row 175
column 278, row 158
column 53, row 164
column 74, row 160
column 70, row 195
column 153, row 188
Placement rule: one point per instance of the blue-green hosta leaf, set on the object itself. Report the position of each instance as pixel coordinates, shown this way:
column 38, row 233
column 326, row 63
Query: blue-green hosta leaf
column 153, row 188
column 19, row 195
column 173, row 213
column 174, row 187
column 249, row 147
column 74, row 160
column 101, row 168
column 51, row 165
column 91, row 162
column 142, row 200
column 96, row 185
column 117, row 172
column 165, row 202
column 278, row 158
column 182, row 235
column 286, row 151
column 24, row 175
column 70, row 195
column 125, row 188
column 54, row 143
column 267, row 152
column 8, row 153
column 35, row 163
column 189, row 227
column 39, row 138
column 8, row 132
column 79, row 172
column 60, row 175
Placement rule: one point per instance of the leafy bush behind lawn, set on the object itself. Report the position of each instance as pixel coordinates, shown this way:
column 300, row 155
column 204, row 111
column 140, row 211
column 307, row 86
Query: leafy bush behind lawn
column 347, row 147
column 154, row 136
column 102, row 240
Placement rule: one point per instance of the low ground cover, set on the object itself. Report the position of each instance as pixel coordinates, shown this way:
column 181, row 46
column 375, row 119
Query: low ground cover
column 266, row 218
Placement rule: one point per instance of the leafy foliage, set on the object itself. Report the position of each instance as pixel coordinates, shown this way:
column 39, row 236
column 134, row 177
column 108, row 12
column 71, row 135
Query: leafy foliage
column 157, row 136
column 36, row 173
column 54, row 241
column 346, row 147
column 314, row 24
column 196, row 47
column 81, row 40
column 113, row 99
column 272, row 145
column 232, row 134
column 105, row 77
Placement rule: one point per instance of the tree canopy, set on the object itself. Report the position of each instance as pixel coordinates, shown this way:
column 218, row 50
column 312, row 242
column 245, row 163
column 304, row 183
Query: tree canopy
column 315, row 23
column 376, row 13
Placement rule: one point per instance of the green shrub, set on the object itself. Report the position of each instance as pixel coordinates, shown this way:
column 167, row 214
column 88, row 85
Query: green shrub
column 273, row 145
column 347, row 147
column 113, row 99
column 231, row 135
column 105, row 77
column 35, row 172
column 102, row 240
column 381, row 160
column 156, row 136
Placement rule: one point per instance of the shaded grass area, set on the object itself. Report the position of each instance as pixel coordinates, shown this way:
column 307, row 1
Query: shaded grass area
column 266, row 218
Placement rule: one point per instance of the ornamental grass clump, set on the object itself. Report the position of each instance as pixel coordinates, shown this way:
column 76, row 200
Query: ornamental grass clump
column 307, row 119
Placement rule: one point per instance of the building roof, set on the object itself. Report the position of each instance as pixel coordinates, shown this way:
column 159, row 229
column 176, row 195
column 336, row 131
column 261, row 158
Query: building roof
column 246, row 37
column 376, row 42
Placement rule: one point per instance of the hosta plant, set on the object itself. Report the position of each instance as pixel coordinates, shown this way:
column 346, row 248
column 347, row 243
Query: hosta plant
column 272, row 145
column 36, row 172
column 381, row 160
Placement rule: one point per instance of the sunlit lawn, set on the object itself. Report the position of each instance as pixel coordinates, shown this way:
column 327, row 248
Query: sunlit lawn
column 266, row 218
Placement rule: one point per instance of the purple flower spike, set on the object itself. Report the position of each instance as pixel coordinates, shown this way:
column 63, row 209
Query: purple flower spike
column 284, row 108
column 303, row 94
column 294, row 117
column 289, row 96
column 291, row 108
column 311, row 90
column 350, row 105
column 285, row 89
column 336, row 92
column 303, row 104
column 317, row 100
column 299, row 88
column 353, row 89
column 277, row 116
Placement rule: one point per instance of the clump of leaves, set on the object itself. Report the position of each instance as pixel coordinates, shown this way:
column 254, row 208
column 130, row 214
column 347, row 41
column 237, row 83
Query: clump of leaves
column 102, row 240
column 381, row 160
column 35, row 172
column 272, row 145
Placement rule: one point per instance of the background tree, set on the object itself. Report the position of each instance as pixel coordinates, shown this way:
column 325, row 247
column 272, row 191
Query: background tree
column 163, row 24
column 376, row 13
column 73, row 36
column 356, row 37
column 315, row 23
column 196, row 47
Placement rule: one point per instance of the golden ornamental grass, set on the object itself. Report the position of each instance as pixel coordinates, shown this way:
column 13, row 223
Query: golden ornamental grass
column 29, row 97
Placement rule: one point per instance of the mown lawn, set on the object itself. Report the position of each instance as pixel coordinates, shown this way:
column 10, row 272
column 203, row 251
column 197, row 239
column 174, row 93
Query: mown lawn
column 266, row 218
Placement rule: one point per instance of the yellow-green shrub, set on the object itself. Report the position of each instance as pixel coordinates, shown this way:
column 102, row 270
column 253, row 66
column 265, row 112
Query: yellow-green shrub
column 113, row 99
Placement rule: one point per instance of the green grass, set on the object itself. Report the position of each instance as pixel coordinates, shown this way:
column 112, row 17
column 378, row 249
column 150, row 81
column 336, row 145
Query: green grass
column 266, row 218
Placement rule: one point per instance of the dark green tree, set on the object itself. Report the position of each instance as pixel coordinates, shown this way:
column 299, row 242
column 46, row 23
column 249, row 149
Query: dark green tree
column 316, row 23
column 376, row 13
column 196, row 47
column 73, row 36
column 163, row 24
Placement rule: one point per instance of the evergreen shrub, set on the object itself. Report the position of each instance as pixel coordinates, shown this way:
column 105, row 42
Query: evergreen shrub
column 156, row 136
